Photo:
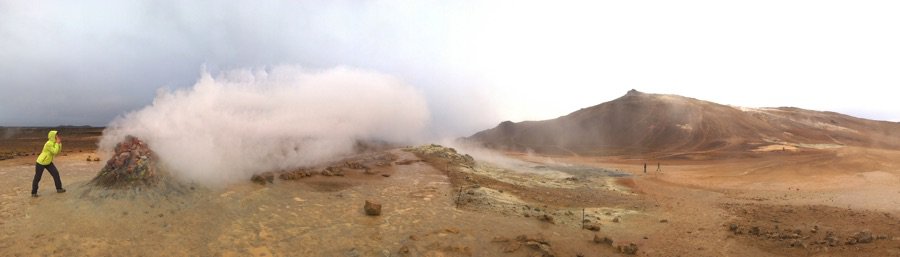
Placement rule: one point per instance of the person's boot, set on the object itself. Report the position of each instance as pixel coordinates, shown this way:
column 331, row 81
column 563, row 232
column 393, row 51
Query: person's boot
column 61, row 190
column 34, row 195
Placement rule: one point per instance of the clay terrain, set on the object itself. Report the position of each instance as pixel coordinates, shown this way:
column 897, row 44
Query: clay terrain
column 643, row 175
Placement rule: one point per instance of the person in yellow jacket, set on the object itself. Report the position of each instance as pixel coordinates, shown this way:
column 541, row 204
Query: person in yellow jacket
column 45, row 161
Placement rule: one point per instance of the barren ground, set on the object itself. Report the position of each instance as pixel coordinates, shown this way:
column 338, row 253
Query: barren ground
column 777, row 203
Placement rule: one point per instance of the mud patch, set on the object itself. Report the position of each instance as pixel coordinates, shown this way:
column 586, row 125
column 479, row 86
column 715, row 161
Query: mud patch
column 329, row 185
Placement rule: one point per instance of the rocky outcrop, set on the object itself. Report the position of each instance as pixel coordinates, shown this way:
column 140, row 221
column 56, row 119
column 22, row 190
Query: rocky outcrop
column 447, row 153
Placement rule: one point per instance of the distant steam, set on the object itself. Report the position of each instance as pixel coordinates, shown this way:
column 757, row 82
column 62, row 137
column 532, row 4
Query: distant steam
column 241, row 122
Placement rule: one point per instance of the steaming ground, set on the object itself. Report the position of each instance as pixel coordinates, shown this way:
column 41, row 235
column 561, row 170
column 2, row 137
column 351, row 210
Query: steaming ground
column 242, row 122
column 778, row 204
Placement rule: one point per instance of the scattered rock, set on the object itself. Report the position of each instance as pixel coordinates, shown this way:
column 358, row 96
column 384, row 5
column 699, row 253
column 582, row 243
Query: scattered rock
column 663, row 221
column 333, row 171
column 546, row 218
column 500, row 239
column 295, row 175
column 863, row 237
column 831, row 240
column 407, row 162
column 352, row 253
column 616, row 219
column 372, row 209
column 355, row 165
column 755, row 231
column 602, row 240
column 536, row 242
column 386, row 175
column 512, row 247
column 592, row 227
column 629, row 249
column 96, row 159
column 264, row 178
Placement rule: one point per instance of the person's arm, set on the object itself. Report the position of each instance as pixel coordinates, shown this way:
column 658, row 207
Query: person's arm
column 56, row 147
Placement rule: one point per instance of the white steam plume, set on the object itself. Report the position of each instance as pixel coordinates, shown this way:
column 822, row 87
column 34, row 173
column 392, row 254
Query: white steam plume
column 243, row 122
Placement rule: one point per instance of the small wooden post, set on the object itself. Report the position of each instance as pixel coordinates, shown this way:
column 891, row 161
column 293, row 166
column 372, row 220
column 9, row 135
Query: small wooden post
column 582, row 218
column 458, row 197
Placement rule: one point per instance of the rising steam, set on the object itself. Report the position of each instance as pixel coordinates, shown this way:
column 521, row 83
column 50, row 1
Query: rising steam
column 242, row 122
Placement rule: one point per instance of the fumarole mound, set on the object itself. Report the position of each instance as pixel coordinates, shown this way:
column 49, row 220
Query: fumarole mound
column 133, row 164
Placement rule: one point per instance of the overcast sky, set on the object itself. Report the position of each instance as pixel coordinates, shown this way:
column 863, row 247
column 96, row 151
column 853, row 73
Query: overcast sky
column 477, row 62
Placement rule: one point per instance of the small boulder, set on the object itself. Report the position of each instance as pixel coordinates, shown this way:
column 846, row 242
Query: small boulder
column 629, row 249
column 755, row 231
column 372, row 208
column 295, row 175
column 602, row 240
column 863, row 237
column 263, row 179
column 547, row 218
column 355, row 165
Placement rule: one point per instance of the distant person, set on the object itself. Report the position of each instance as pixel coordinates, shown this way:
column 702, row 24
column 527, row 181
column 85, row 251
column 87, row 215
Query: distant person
column 45, row 161
column 645, row 168
column 658, row 167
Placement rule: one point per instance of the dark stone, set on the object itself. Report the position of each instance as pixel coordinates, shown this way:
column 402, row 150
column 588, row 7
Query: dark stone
column 263, row 179
column 592, row 227
column 372, row 209
column 629, row 249
column 547, row 218
column 863, row 237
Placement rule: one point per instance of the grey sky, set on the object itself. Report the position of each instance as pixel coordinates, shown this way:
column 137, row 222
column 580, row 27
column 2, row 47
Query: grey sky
column 478, row 63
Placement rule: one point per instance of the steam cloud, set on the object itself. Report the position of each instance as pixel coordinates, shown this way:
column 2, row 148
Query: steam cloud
column 242, row 122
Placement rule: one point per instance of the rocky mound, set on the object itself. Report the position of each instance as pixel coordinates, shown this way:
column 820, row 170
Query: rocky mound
column 371, row 163
column 133, row 164
column 445, row 153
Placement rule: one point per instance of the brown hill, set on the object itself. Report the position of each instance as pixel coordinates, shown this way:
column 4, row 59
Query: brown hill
column 640, row 124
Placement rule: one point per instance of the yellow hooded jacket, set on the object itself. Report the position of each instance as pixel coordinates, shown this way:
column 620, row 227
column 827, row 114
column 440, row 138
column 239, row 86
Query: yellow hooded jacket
column 51, row 149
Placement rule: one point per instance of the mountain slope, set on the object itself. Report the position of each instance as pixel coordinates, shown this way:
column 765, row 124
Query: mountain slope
column 641, row 124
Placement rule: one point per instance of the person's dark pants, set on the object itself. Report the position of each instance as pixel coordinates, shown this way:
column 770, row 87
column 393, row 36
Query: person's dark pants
column 39, row 170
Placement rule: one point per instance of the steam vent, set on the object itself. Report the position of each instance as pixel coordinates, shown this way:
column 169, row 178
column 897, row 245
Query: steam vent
column 132, row 165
